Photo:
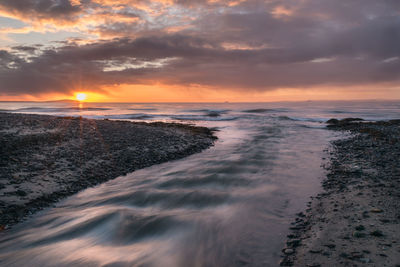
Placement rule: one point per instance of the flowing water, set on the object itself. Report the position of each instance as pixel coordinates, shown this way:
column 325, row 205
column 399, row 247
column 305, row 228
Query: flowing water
column 230, row 205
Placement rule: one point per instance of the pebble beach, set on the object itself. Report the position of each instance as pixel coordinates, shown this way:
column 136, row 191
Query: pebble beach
column 355, row 221
column 46, row 158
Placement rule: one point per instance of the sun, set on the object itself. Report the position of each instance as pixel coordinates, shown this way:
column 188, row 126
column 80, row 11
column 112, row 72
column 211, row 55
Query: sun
column 81, row 97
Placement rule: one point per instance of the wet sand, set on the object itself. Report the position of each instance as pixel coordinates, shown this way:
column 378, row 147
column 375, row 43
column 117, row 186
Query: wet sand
column 46, row 158
column 355, row 221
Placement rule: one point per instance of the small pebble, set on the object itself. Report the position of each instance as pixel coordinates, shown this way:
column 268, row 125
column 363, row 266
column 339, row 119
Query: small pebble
column 288, row 251
column 376, row 210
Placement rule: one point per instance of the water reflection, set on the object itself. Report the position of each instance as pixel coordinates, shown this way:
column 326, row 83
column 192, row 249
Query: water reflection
column 228, row 206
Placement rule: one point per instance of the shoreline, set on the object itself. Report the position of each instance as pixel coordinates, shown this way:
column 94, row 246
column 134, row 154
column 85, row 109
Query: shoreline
column 46, row 158
column 355, row 220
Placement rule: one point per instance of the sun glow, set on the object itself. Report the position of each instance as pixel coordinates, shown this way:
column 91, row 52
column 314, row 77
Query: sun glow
column 81, row 97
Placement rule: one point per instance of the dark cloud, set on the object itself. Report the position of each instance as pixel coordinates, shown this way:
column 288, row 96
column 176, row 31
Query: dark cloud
column 252, row 45
column 42, row 9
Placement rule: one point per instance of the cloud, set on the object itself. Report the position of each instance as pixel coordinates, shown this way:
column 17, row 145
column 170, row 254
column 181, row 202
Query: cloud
column 42, row 9
column 242, row 45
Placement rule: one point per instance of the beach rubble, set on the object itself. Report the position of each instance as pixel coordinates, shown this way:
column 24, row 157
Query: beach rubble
column 355, row 220
column 46, row 158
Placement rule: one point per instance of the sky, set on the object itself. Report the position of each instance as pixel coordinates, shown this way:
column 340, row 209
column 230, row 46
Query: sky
column 200, row 51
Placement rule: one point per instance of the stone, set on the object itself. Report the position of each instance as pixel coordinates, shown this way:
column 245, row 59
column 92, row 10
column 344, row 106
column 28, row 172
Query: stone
column 315, row 251
column 358, row 234
column 360, row 228
column 377, row 233
column 374, row 210
column 365, row 260
column 20, row 193
column 333, row 121
column 288, row 251
column 293, row 242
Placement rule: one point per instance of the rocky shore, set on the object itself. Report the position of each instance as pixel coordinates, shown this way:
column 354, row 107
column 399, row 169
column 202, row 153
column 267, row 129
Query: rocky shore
column 46, row 158
column 355, row 221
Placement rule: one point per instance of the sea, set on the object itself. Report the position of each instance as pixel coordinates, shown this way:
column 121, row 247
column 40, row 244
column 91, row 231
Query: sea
column 230, row 205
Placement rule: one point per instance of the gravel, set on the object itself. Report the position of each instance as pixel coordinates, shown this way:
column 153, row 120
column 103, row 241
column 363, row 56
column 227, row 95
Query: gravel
column 358, row 214
column 46, row 158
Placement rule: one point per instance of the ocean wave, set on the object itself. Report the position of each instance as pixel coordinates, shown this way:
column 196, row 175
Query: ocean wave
column 183, row 117
column 136, row 116
column 208, row 110
column 202, row 118
column 265, row 110
column 143, row 109
column 342, row 112
column 302, row 119
column 258, row 110
column 68, row 109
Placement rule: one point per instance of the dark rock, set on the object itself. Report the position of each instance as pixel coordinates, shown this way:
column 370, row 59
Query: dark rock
column 377, row 233
column 333, row 121
column 359, row 234
column 286, row 262
column 20, row 193
column 330, row 246
column 346, row 120
column 293, row 242
column 344, row 255
column 360, row 228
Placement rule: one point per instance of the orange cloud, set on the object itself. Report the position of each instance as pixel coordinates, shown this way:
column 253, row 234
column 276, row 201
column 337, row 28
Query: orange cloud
column 281, row 11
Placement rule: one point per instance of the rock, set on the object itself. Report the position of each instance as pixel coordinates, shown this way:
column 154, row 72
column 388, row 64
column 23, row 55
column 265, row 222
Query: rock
column 315, row 251
column 288, row 251
column 358, row 234
column 365, row 260
column 343, row 122
column 374, row 210
column 344, row 255
column 286, row 262
column 20, row 193
column 301, row 214
column 333, row 121
column 360, row 228
column 356, row 255
column 330, row 246
column 377, row 233
column 293, row 242
column 347, row 120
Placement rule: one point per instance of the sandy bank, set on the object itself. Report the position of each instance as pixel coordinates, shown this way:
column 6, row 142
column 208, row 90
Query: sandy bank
column 355, row 221
column 45, row 158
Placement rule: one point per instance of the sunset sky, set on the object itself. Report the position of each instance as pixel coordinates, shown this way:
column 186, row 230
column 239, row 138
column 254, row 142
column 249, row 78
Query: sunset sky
column 203, row 50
